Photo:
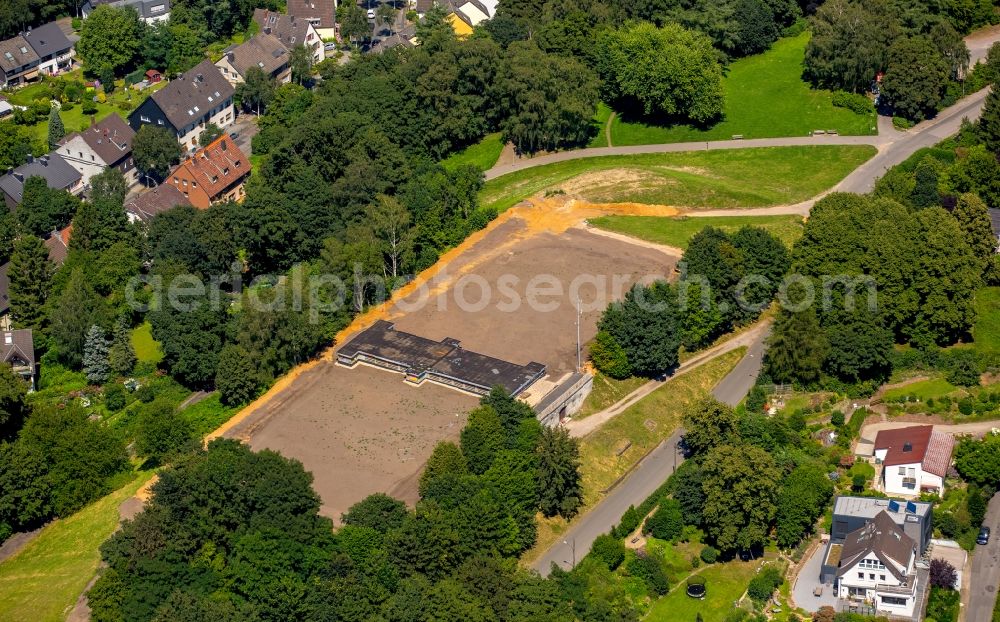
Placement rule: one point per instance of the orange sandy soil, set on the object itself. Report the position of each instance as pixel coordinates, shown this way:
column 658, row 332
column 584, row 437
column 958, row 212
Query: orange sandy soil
column 364, row 430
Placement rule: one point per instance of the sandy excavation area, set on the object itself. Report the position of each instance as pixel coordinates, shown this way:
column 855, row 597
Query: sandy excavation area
column 364, row 430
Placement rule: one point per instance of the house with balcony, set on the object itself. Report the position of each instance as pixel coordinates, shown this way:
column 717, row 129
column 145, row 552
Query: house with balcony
column 54, row 49
column 188, row 104
column 913, row 460
column 18, row 62
column 291, row 31
column 321, row 14
column 263, row 51
column 213, row 174
column 105, row 144
column 877, row 567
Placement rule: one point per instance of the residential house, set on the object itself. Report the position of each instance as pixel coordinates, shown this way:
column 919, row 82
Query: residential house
column 54, row 49
column 321, row 15
column 6, row 109
column 150, row 11
column 58, row 174
column 186, row 106
column 107, row 144
column 291, row 32
column 262, row 51
column 213, row 174
column 912, row 460
column 146, row 205
column 876, row 565
column 915, row 518
column 18, row 350
column 18, row 62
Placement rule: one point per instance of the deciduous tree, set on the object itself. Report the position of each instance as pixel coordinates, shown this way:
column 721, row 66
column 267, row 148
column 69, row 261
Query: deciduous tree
column 559, row 487
column 110, row 37
column 741, row 485
column 154, row 151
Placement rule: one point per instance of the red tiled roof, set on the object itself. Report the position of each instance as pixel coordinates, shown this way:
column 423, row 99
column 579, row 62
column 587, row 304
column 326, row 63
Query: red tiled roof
column 904, row 445
column 58, row 244
column 217, row 166
column 938, row 456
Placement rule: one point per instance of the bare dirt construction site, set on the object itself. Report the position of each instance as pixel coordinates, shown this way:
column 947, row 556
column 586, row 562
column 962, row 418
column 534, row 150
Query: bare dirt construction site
column 509, row 292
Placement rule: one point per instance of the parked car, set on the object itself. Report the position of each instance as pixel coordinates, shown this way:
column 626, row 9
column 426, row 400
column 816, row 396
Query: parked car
column 984, row 535
column 330, row 46
column 371, row 13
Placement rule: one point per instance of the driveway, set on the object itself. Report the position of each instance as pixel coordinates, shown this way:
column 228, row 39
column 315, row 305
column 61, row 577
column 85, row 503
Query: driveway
column 985, row 574
column 808, row 580
column 652, row 470
column 246, row 127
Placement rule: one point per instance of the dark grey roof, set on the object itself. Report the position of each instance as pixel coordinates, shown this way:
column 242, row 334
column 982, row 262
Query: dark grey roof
column 146, row 205
column 4, row 289
column 58, row 174
column 995, row 220
column 202, row 87
column 444, row 361
column 262, row 50
column 48, row 39
column 17, row 347
column 111, row 139
column 289, row 30
column 882, row 537
column 16, row 53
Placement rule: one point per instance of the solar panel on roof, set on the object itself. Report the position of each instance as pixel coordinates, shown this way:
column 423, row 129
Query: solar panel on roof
column 893, row 506
column 911, row 507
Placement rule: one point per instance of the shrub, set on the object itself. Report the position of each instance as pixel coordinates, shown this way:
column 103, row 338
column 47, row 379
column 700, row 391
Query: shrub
column 115, row 397
column 965, row 406
column 858, row 482
column 145, row 394
column 609, row 550
column 942, row 605
column 901, row 123
column 709, row 554
column 648, row 569
column 763, row 585
column 630, row 520
column 609, row 357
column 837, row 418
column 943, row 574
column 88, row 107
column 858, row 104
column 667, row 522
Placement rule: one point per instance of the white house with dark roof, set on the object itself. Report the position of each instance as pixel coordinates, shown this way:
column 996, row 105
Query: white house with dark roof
column 291, row 31
column 913, row 459
column 263, row 51
column 105, row 144
column 150, row 11
column 321, row 15
column 17, row 349
column 54, row 49
column 876, row 565
column 188, row 104
column 18, row 62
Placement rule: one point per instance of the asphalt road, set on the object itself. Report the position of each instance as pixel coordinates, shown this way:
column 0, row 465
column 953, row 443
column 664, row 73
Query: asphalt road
column 651, row 471
column 985, row 570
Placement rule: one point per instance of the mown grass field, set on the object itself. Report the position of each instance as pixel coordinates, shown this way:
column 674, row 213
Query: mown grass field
column 765, row 97
column 607, row 391
column 677, row 232
column 923, row 390
column 724, row 583
column 482, row 155
column 758, row 177
column 42, row 582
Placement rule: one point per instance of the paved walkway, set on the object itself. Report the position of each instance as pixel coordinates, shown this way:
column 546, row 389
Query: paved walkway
column 657, row 466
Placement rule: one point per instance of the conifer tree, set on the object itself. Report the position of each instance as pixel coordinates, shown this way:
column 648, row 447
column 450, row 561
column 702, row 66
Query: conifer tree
column 95, row 356
column 30, row 274
column 121, row 356
column 56, row 128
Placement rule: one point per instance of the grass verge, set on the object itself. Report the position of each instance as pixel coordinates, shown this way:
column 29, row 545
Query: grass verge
column 986, row 331
column 43, row 581
column 677, row 232
column 482, row 155
column 758, row 177
column 765, row 97
column 606, row 392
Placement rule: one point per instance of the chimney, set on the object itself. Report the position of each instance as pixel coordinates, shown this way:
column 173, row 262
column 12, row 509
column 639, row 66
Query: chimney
column 19, row 176
column 200, row 78
column 907, row 446
column 93, row 120
column 223, row 145
column 267, row 30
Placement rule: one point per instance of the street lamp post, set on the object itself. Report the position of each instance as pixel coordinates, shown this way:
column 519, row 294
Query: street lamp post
column 573, row 546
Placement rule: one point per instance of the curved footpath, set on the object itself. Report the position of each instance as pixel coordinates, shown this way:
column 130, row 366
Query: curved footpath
column 893, row 148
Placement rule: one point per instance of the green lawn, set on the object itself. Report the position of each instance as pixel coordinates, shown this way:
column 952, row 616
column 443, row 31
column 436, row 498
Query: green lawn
column 765, row 97
column 43, row 581
column 147, row 349
column 924, row 390
column 645, row 424
column 607, row 391
column 677, row 232
column 757, row 177
column 483, row 154
column 986, row 332
column 600, row 138
column 724, row 583
column 208, row 414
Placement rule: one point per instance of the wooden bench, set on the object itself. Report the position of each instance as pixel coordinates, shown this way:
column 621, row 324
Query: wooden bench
column 737, row 136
